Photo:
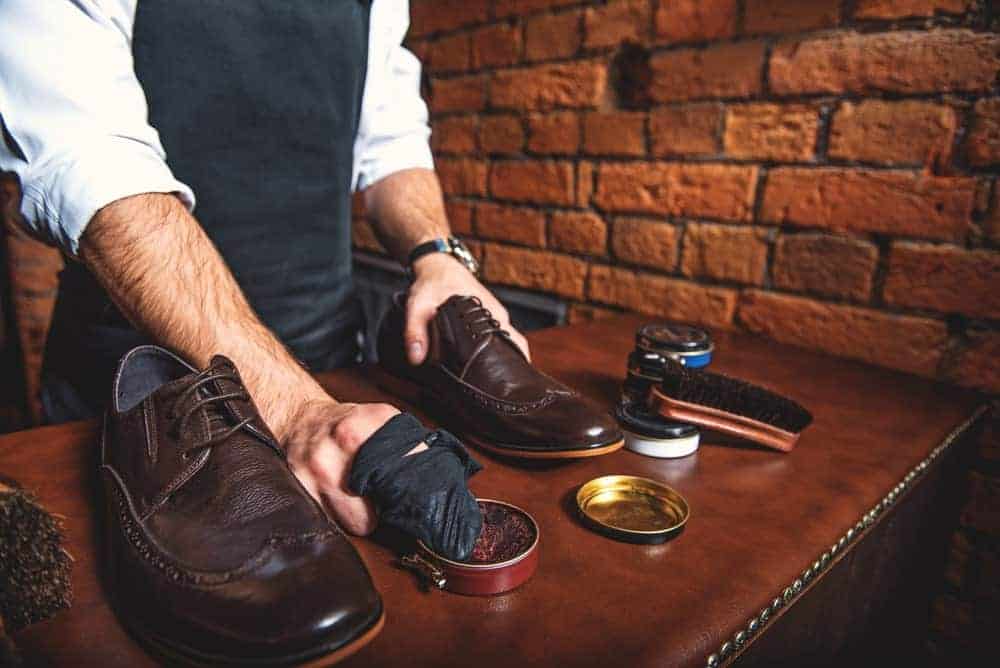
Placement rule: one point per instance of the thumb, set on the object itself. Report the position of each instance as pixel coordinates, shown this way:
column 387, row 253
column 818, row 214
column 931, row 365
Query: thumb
column 418, row 315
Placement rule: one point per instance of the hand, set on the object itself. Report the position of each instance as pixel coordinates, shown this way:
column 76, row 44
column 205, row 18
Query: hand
column 322, row 439
column 438, row 277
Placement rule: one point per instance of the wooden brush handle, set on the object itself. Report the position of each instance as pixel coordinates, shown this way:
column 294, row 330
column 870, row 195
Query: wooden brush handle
column 728, row 423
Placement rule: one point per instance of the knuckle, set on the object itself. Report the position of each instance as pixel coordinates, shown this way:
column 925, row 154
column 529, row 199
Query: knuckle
column 346, row 433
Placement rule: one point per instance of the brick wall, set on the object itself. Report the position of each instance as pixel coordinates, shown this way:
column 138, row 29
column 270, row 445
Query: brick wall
column 823, row 173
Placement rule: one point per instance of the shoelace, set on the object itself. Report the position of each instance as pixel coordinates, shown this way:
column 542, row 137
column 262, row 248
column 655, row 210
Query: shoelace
column 482, row 317
column 209, row 375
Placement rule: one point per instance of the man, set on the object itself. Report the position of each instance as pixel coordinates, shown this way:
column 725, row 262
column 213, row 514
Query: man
column 271, row 113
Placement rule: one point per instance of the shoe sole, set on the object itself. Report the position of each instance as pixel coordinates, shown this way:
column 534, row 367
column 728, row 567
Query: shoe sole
column 410, row 392
column 177, row 654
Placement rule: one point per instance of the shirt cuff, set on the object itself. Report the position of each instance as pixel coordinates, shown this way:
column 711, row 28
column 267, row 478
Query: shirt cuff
column 76, row 185
column 383, row 159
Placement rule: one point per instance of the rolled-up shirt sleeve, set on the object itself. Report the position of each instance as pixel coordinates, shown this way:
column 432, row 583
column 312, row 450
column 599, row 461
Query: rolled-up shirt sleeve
column 393, row 132
column 74, row 116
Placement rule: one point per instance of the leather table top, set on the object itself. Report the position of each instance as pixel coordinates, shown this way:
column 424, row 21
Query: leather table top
column 758, row 518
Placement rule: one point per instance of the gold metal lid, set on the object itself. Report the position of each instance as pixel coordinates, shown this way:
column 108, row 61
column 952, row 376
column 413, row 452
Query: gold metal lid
column 633, row 509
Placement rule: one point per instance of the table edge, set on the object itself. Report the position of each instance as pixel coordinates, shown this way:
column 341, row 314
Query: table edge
column 738, row 643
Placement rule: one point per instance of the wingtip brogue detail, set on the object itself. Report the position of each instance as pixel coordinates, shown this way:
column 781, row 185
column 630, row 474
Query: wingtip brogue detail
column 211, row 543
column 482, row 386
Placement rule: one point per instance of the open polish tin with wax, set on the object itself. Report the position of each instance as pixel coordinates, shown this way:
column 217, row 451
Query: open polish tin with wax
column 505, row 555
column 691, row 346
column 632, row 509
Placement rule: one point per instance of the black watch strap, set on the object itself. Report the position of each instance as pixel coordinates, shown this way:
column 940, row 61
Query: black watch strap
column 449, row 245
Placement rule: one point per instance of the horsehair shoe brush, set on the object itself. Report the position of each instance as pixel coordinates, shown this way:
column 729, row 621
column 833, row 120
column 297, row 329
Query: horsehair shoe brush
column 729, row 405
column 34, row 567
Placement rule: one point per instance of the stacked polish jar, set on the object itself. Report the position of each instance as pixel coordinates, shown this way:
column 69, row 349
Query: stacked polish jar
column 646, row 432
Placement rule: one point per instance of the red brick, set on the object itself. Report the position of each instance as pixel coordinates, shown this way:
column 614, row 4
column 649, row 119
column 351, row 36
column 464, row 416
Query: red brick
column 825, row 265
column 991, row 224
column 777, row 16
column 459, row 216
column 458, row 94
column 712, row 191
column 665, row 297
column 428, row 16
column 899, row 342
column 723, row 71
column 689, row 130
column 557, row 133
column 461, row 176
column 508, row 223
column 448, row 54
column 868, row 201
column 909, row 132
column 982, row 145
column 501, row 134
column 725, row 253
column 944, row 278
column 578, row 232
column 650, row 243
column 521, row 7
column 901, row 62
column 549, row 36
column 901, row 9
column 543, row 87
column 456, row 134
column 584, row 183
column 616, row 22
column 535, row 270
column 771, row 132
column 619, row 133
column 978, row 365
column 694, row 20
column 533, row 181
column 498, row 44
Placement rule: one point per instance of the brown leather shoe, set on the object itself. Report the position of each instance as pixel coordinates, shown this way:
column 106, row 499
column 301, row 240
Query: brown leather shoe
column 478, row 382
column 214, row 551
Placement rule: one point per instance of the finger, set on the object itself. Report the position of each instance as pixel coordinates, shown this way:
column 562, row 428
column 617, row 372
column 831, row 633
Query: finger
column 419, row 447
column 418, row 314
column 354, row 514
column 521, row 342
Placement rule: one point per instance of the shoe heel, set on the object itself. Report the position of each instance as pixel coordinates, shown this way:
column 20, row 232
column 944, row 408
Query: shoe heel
column 398, row 387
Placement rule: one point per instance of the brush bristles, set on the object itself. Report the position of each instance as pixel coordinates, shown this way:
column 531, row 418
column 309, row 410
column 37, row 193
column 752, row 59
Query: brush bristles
column 34, row 568
column 733, row 396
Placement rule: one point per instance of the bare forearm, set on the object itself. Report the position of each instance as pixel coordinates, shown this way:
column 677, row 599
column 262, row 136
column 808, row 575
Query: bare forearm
column 168, row 279
column 407, row 209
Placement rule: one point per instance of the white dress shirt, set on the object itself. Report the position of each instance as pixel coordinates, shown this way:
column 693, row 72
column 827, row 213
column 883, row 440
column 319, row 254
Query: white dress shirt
column 75, row 122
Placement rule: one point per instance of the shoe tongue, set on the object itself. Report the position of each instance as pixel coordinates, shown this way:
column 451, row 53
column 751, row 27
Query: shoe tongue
column 223, row 414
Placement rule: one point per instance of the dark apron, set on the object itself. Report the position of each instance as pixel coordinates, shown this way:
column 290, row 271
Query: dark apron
column 257, row 105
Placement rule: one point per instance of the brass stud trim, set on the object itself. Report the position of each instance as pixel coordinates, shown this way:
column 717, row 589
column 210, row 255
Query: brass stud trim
column 731, row 648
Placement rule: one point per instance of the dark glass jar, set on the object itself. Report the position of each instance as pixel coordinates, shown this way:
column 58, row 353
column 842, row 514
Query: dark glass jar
column 691, row 346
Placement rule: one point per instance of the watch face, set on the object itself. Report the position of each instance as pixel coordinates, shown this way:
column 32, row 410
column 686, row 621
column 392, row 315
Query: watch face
column 462, row 253
column 672, row 336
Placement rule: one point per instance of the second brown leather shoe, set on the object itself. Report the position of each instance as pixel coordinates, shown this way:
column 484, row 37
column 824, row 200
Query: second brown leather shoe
column 214, row 553
column 481, row 386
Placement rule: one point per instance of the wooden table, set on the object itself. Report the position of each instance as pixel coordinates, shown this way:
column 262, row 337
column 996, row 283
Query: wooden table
column 827, row 553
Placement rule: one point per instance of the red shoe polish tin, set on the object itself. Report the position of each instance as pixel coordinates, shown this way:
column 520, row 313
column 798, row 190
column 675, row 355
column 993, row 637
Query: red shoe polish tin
column 505, row 556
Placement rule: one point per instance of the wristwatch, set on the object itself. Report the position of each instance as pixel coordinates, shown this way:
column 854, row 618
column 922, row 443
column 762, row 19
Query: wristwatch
column 450, row 245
